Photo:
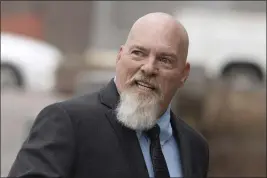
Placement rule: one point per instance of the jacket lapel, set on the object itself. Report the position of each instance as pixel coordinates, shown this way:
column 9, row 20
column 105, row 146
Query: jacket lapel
column 109, row 96
column 183, row 145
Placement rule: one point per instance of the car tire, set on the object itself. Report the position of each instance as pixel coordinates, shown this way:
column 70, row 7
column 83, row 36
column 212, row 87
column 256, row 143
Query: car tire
column 242, row 78
column 10, row 78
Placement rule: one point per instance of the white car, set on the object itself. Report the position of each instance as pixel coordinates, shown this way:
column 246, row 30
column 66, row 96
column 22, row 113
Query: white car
column 28, row 63
column 227, row 44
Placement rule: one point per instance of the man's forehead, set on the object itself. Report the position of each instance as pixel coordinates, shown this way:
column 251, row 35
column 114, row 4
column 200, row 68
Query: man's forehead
column 163, row 34
column 169, row 37
column 160, row 48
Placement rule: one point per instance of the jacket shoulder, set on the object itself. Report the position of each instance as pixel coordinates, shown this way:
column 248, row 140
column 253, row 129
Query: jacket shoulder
column 85, row 103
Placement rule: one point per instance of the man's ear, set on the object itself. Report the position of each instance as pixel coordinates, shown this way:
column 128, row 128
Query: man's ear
column 185, row 74
column 119, row 54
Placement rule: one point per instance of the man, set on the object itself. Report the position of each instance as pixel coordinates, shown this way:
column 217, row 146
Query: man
column 127, row 129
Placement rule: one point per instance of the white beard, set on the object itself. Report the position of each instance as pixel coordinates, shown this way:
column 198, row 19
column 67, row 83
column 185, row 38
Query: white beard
column 138, row 110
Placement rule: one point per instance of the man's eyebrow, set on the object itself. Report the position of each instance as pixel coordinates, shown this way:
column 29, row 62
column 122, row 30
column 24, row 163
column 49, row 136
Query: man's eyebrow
column 138, row 47
column 170, row 54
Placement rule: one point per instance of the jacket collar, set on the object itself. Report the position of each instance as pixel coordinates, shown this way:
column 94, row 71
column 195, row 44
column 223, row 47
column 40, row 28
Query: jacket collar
column 109, row 95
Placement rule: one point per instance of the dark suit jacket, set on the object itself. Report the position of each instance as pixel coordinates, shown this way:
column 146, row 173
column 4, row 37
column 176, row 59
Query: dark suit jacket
column 80, row 138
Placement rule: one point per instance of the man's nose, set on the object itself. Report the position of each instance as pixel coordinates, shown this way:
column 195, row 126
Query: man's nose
column 149, row 67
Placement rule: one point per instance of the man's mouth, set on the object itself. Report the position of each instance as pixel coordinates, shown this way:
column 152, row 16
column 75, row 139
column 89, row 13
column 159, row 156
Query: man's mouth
column 144, row 85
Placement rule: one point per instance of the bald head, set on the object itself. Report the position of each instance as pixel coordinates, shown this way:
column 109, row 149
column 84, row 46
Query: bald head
column 161, row 25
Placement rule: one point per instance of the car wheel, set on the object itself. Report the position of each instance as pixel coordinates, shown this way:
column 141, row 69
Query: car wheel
column 242, row 78
column 10, row 79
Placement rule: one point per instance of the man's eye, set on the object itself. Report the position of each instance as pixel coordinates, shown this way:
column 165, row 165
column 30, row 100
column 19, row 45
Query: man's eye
column 137, row 53
column 165, row 60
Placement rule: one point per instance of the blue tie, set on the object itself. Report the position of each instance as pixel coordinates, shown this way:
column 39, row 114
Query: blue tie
column 159, row 164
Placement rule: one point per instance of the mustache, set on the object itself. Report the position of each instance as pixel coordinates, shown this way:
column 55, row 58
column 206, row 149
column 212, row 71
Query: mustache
column 145, row 79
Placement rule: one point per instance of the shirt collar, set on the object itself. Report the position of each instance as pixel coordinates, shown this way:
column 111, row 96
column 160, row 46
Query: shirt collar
column 165, row 127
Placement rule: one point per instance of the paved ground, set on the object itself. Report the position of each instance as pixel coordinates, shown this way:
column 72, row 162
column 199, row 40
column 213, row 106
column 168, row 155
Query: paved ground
column 18, row 109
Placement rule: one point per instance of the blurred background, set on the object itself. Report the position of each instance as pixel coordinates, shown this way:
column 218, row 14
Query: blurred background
column 52, row 50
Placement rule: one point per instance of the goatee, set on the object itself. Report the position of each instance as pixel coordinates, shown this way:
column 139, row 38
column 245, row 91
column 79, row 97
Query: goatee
column 138, row 110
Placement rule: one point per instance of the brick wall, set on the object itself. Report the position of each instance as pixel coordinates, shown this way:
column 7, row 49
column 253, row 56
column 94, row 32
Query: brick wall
column 25, row 23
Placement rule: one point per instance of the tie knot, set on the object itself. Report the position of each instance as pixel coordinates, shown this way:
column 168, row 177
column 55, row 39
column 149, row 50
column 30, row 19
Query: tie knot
column 153, row 133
